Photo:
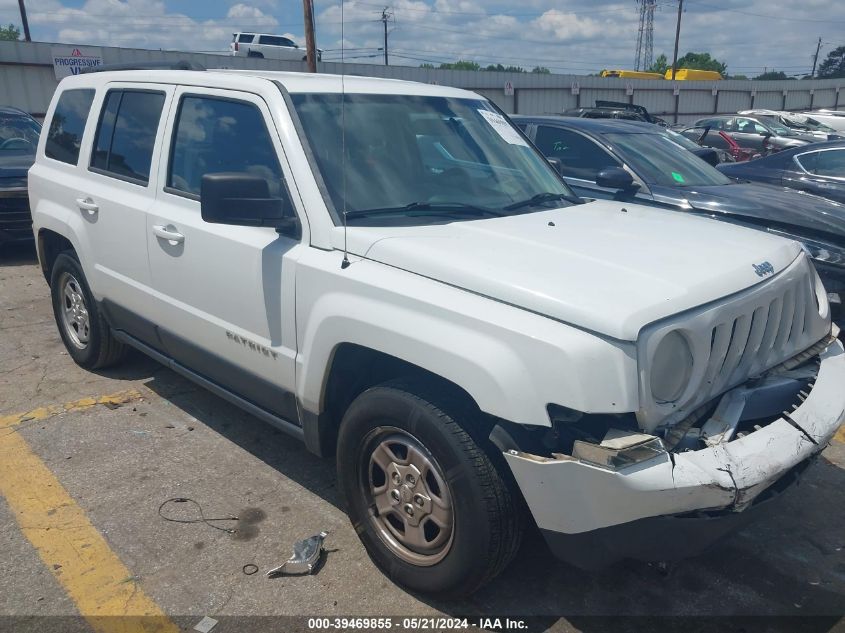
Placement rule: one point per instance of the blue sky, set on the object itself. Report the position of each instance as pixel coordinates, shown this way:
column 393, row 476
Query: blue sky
column 568, row 36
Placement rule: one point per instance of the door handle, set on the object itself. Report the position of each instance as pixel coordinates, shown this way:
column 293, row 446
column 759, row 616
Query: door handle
column 86, row 204
column 165, row 233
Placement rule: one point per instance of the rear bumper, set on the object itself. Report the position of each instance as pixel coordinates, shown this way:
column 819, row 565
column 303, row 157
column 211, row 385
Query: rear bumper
column 674, row 504
column 15, row 216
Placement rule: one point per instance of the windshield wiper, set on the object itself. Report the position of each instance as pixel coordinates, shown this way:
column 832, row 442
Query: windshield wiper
column 540, row 198
column 440, row 208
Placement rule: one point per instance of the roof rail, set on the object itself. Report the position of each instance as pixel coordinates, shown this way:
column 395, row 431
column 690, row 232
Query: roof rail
column 182, row 64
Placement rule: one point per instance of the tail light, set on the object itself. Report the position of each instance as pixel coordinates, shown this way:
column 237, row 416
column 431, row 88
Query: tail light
column 236, row 47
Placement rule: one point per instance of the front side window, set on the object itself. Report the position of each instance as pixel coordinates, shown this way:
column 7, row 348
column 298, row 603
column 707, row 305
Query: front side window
column 421, row 159
column 18, row 134
column 660, row 161
column 215, row 135
column 579, row 156
column 126, row 134
column 64, row 135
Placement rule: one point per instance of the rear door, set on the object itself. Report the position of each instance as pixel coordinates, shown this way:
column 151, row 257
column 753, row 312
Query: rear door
column 119, row 190
column 224, row 294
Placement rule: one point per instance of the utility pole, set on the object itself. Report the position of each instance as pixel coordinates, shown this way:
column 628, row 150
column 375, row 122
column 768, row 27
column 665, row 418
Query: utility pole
column 24, row 21
column 385, row 16
column 310, row 48
column 816, row 58
column 677, row 39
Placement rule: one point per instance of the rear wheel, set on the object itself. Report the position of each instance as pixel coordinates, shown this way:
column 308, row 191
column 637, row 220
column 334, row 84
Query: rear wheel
column 424, row 496
column 86, row 335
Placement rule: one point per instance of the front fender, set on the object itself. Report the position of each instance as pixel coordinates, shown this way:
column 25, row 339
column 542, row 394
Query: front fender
column 512, row 362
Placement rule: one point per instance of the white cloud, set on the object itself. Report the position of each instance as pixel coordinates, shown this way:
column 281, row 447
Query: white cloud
column 565, row 35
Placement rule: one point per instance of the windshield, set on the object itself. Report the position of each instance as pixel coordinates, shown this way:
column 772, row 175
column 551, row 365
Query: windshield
column 19, row 134
column 423, row 158
column 682, row 140
column 778, row 128
column 660, row 161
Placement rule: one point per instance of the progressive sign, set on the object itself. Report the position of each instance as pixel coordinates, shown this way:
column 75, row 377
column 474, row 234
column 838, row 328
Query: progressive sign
column 71, row 60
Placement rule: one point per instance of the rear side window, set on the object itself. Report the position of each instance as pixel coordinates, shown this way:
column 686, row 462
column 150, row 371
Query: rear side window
column 831, row 163
column 245, row 38
column 219, row 135
column 67, row 125
column 126, row 134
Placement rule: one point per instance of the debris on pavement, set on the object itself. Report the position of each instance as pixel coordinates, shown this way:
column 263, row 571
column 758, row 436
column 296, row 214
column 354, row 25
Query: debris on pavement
column 307, row 555
column 205, row 625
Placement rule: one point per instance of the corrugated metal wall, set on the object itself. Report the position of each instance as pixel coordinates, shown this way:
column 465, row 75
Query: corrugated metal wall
column 27, row 81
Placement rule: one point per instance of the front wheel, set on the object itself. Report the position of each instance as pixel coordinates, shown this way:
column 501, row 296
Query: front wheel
column 430, row 506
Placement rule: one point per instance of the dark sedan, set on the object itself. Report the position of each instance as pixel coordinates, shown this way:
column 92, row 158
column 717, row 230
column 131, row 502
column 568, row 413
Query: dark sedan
column 602, row 158
column 818, row 169
column 18, row 140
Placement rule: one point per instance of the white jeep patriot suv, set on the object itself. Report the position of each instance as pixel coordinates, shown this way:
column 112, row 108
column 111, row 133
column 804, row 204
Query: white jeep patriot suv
column 391, row 272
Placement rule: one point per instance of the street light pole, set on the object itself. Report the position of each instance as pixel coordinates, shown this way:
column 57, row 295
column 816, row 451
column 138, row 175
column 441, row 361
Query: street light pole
column 310, row 48
column 24, row 21
column 677, row 39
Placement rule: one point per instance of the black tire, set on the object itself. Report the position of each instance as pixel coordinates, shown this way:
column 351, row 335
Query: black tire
column 488, row 520
column 255, row 54
column 100, row 349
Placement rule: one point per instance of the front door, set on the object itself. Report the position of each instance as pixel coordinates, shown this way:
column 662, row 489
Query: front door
column 225, row 293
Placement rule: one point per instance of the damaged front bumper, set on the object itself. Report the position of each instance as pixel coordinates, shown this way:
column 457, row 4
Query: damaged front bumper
column 676, row 503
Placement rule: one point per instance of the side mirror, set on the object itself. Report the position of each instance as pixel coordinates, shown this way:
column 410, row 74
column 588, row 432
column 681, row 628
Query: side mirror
column 616, row 178
column 555, row 162
column 243, row 199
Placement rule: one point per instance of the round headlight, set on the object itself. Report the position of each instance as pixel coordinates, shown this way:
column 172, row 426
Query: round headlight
column 671, row 367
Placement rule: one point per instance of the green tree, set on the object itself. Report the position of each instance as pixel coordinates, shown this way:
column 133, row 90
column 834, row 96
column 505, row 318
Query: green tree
column 426, row 65
column 772, row 75
column 10, row 32
column 701, row 61
column 834, row 65
column 697, row 61
column 660, row 65
column 460, row 65
column 541, row 70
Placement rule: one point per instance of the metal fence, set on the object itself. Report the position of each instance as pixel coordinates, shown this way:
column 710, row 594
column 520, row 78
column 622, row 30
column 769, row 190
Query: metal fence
column 27, row 80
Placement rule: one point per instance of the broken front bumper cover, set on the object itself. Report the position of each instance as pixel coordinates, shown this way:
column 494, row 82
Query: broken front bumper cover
column 572, row 498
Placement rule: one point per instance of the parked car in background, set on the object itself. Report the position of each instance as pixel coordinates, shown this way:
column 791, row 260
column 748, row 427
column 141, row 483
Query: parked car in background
column 616, row 110
column 800, row 123
column 710, row 155
column 818, row 169
column 719, row 140
column 268, row 46
column 755, row 132
column 18, row 139
column 632, row 161
column 832, row 118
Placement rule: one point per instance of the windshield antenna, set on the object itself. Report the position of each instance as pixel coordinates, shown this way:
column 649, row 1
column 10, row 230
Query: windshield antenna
column 345, row 263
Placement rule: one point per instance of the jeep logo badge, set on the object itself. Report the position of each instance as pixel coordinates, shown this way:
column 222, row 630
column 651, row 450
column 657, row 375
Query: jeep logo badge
column 764, row 268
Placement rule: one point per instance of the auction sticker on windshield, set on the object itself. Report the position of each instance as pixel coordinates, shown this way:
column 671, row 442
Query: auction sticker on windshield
column 502, row 127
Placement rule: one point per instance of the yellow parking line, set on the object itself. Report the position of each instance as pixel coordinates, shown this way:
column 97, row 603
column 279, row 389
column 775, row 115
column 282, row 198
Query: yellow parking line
column 74, row 551
column 121, row 397
column 840, row 435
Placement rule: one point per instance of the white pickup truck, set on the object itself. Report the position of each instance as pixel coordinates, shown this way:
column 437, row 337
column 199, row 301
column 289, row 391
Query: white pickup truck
column 391, row 272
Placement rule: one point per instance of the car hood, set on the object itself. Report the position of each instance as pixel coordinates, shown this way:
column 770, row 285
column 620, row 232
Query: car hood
column 604, row 266
column 756, row 202
column 14, row 165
